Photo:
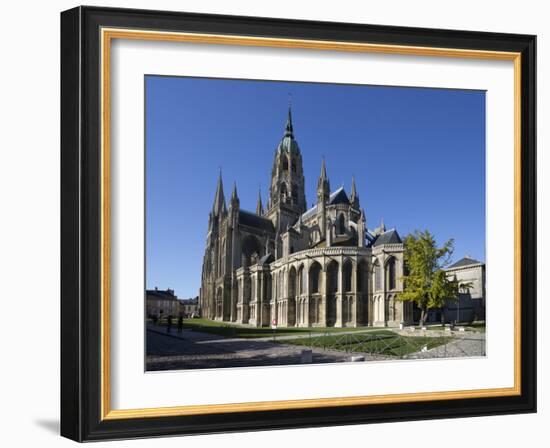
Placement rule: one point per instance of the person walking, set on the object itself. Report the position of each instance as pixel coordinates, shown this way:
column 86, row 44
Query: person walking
column 169, row 324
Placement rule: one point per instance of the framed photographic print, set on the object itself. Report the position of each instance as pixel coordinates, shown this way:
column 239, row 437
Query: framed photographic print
column 274, row 223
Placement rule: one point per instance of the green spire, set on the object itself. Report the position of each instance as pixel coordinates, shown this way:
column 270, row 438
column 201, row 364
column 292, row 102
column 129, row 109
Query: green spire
column 289, row 130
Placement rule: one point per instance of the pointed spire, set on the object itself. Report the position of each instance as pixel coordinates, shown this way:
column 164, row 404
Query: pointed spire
column 234, row 196
column 354, row 198
column 323, row 185
column 259, row 206
column 234, row 202
column 323, row 169
column 219, row 199
column 382, row 225
column 289, row 131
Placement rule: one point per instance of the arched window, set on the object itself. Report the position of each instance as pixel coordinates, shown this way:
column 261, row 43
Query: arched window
column 390, row 267
column 284, row 192
column 377, row 276
column 361, row 276
column 347, row 275
column 314, row 272
column 292, row 282
column 267, row 286
column 341, row 224
column 332, row 277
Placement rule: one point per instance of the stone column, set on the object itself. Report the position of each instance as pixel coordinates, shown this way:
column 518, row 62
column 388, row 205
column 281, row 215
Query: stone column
column 234, row 300
column 259, row 299
column 339, row 293
column 323, row 291
column 354, row 308
column 305, row 309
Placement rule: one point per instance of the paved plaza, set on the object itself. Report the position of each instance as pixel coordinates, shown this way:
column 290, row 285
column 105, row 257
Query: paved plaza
column 192, row 349
column 195, row 350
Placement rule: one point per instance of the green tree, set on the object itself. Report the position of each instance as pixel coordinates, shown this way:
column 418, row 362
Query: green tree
column 425, row 281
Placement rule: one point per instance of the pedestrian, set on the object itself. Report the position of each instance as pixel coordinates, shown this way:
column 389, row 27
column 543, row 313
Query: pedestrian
column 180, row 323
column 169, row 324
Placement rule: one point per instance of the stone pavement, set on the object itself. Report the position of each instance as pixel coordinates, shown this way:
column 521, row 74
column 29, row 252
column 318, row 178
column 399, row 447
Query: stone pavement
column 463, row 345
column 193, row 349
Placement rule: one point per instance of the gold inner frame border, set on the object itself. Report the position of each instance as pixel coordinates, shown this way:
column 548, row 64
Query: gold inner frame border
column 107, row 35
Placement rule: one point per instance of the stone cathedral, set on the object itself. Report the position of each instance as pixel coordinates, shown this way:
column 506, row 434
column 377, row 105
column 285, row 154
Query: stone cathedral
column 287, row 265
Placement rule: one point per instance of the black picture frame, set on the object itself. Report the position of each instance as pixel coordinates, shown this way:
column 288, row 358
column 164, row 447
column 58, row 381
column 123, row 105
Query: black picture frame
column 81, row 224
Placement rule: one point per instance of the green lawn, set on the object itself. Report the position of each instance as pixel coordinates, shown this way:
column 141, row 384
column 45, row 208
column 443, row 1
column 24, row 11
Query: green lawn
column 236, row 331
column 381, row 342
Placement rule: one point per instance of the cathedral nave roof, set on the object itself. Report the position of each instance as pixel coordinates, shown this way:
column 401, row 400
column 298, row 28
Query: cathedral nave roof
column 250, row 219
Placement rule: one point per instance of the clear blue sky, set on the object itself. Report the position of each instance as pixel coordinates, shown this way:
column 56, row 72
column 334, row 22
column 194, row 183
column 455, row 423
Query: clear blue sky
column 418, row 156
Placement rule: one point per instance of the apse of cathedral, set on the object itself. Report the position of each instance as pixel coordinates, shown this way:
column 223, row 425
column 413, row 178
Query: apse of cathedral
column 287, row 265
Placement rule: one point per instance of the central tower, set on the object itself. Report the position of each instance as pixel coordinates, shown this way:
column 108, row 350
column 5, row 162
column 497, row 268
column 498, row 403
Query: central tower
column 287, row 199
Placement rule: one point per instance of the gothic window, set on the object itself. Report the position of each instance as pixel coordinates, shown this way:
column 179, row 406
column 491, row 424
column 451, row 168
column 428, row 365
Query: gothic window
column 314, row 272
column 347, row 275
column 377, row 276
column 391, row 273
column 267, row 286
column 361, row 277
column 341, row 224
column 285, row 164
column 292, row 282
column 284, row 192
column 332, row 277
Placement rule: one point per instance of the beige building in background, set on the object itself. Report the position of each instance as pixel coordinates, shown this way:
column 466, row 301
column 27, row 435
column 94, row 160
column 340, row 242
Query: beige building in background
column 161, row 303
column 290, row 265
column 189, row 307
column 471, row 303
